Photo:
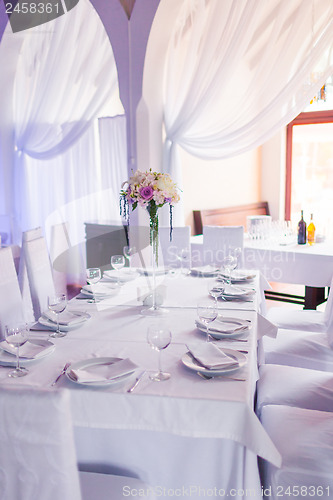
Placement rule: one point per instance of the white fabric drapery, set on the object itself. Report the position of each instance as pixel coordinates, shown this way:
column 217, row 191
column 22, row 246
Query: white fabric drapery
column 63, row 83
column 237, row 71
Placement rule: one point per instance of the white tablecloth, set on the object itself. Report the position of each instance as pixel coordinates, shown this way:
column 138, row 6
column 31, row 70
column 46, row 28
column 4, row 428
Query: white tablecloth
column 180, row 433
column 298, row 264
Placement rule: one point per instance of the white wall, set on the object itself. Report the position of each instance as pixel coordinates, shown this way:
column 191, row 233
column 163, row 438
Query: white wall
column 223, row 183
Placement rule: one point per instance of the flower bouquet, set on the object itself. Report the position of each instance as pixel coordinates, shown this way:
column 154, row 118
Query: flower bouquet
column 150, row 190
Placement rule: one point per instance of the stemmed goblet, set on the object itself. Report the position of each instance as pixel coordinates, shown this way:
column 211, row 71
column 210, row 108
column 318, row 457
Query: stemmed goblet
column 93, row 276
column 17, row 335
column 184, row 255
column 159, row 338
column 215, row 289
column 57, row 303
column 117, row 262
column 229, row 263
column 128, row 253
column 207, row 313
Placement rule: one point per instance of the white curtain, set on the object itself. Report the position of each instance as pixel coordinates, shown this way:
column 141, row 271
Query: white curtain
column 66, row 77
column 238, row 70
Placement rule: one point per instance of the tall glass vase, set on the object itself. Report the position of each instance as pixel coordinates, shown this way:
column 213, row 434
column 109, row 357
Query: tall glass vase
column 154, row 309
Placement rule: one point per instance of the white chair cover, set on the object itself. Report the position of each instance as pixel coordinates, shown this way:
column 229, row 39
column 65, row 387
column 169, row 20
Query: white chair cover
column 29, row 235
column 305, row 440
column 218, row 241
column 39, row 274
column 37, row 454
column 293, row 386
column 314, row 321
column 298, row 348
column 170, row 249
column 59, row 245
column 11, row 305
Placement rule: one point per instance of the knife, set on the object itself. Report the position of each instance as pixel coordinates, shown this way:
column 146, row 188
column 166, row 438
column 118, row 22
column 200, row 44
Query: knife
column 136, row 382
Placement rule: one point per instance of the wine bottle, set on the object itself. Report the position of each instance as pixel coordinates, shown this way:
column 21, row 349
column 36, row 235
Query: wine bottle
column 311, row 231
column 301, row 238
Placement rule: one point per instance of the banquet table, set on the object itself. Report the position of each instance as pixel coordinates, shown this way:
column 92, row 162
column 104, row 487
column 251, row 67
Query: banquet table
column 185, row 436
column 311, row 266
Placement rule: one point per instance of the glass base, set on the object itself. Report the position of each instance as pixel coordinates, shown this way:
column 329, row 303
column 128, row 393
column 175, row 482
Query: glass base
column 57, row 335
column 18, row 372
column 159, row 376
column 154, row 311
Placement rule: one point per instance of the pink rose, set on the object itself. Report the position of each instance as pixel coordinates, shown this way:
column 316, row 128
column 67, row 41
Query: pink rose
column 146, row 192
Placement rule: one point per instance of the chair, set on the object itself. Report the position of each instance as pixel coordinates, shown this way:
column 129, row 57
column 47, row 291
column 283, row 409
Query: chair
column 219, row 241
column 310, row 320
column 11, row 305
column 29, row 235
column 37, row 452
column 59, row 245
column 294, row 386
column 305, row 440
column 170, row 250
column 39, row 274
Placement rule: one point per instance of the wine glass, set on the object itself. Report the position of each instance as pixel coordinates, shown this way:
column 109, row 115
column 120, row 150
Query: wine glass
column 117, row 262
column 215, row 289
column 93, row 275
column 128, row 253
column 207, row 312
column 17, row 335
column 229, row 264
column 57, row 303
column 159, row 338
column 237, row 252
column 184, row 255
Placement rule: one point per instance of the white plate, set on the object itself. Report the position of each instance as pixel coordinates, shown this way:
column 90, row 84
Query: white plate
column 239, row 277
column 204, row 271
column 192, row 364
column 230, row 328
column 64, row 328
column 123, row 276
column 117, row 381
column 8, row 359
column 111, row 293
column 148, row 271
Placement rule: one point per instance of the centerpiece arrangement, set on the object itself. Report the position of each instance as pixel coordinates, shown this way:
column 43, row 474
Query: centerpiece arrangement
column 151, row 191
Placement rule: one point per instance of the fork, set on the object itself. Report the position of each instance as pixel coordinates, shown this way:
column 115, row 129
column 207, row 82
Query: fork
column 63, row 371
column 207, row 377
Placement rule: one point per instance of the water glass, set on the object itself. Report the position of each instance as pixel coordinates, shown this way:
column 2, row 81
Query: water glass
column 159, row 338
column 207, row 313
column 17, row 335
column 57, row 303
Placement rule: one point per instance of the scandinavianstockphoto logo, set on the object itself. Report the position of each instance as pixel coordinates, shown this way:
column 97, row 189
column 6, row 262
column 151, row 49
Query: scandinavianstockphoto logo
column 23, row 14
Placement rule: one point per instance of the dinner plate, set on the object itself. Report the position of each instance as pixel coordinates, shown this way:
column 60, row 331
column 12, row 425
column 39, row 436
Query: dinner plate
column 227, row 327
column 87, row 363
column 148, row 271
column 122, row 276
column 8, row 359
column 108, row 293
column 193, row 364
column 64, row 328
column 238, row 276
column 204, row 271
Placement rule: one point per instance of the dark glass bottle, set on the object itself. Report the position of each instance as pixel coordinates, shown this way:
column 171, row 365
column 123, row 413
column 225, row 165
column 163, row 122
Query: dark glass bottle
column 301, row 234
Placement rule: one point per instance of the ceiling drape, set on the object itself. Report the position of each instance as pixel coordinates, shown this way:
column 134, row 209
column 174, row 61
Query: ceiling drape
column 237, row 71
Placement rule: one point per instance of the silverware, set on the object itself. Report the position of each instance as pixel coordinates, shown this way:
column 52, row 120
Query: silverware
column 226, row 338
column 137, row 380
column 61, row 373
column 207, row 377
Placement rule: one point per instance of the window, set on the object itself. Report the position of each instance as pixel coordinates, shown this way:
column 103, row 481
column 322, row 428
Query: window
column 309, row 172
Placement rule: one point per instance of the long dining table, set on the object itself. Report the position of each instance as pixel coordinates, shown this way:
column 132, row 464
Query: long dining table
column 186, row 436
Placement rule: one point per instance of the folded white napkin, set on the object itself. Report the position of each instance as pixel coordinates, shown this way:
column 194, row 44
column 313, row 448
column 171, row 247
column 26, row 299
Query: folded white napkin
column 211, row 357
column 29, row 350
column 65, row 318
column 221, row 327
column 235, row 290
column 98, row 289
column 100, row 373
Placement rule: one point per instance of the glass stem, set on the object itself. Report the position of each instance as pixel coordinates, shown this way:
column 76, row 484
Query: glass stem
column 17, row 358
column 58, row 323
column 207, row 333
column 160, row 361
